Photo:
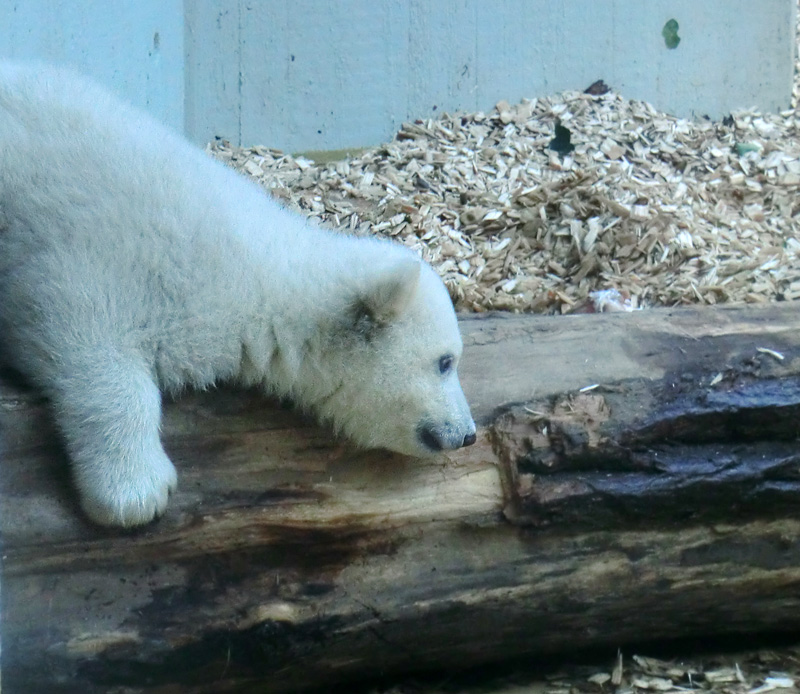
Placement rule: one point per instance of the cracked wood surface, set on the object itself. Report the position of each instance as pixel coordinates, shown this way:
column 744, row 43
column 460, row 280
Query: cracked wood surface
column 660, row 503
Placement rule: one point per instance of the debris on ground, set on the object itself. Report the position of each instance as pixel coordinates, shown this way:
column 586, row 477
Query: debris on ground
column 751, row 672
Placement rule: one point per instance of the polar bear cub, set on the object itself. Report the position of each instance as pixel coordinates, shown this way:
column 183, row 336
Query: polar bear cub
column 131, row 264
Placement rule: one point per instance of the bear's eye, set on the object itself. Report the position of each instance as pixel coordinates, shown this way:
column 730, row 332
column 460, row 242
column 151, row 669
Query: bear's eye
column 445, row 363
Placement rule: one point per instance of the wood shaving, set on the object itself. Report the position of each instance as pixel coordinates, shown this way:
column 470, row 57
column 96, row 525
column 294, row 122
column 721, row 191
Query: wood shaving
column 771, row 352
column 665, row 211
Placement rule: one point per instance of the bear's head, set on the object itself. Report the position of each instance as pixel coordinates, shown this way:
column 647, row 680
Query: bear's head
column 390, row 362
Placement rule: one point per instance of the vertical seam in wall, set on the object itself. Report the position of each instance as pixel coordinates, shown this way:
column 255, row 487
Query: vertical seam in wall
column 612, row 69
column 476, row 61
column 794, row 17
column 239, row 75
column 409, row 69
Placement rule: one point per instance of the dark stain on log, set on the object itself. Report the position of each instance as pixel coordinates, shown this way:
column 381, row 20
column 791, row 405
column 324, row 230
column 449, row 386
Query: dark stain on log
column 284, row 545
column 669, row 454
column 251, row 654
column 770, row 552
column 744, row 410
column 298, row 567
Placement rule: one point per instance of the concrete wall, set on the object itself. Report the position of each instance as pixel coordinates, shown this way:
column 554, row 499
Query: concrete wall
column 136, row 48
column 310, row 74
column 333, row 74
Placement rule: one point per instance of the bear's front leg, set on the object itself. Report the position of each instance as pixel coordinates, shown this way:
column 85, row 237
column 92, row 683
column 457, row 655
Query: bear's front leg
column 109, row 411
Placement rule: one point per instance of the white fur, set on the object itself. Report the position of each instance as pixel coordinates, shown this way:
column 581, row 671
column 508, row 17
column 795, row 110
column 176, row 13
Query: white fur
column 130, row 263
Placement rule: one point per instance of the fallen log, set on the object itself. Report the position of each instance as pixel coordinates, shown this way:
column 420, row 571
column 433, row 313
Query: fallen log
column 637, row 476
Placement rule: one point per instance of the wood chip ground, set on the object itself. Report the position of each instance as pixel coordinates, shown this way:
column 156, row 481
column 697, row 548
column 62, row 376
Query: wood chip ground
column 646, row 210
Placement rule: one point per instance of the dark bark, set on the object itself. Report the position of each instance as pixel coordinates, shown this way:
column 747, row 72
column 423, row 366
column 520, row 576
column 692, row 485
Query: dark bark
column 661, row 503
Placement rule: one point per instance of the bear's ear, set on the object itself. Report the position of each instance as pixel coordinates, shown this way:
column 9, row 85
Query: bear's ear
column 390, row 294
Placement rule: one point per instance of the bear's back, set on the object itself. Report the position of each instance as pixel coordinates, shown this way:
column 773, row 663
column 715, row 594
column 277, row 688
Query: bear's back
column 111, row 222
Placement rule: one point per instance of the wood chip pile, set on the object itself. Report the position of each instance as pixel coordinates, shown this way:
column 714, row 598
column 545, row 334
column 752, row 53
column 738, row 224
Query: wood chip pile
column 646, row 210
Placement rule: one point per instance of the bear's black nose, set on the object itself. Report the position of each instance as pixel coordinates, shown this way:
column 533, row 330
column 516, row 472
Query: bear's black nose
column 469, row 439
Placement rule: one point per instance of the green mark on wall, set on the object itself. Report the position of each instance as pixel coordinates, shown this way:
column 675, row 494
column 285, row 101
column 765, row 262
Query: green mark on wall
column 670, row 34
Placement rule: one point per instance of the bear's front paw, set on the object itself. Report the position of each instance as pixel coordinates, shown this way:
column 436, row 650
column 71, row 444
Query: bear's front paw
column 127, row 495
